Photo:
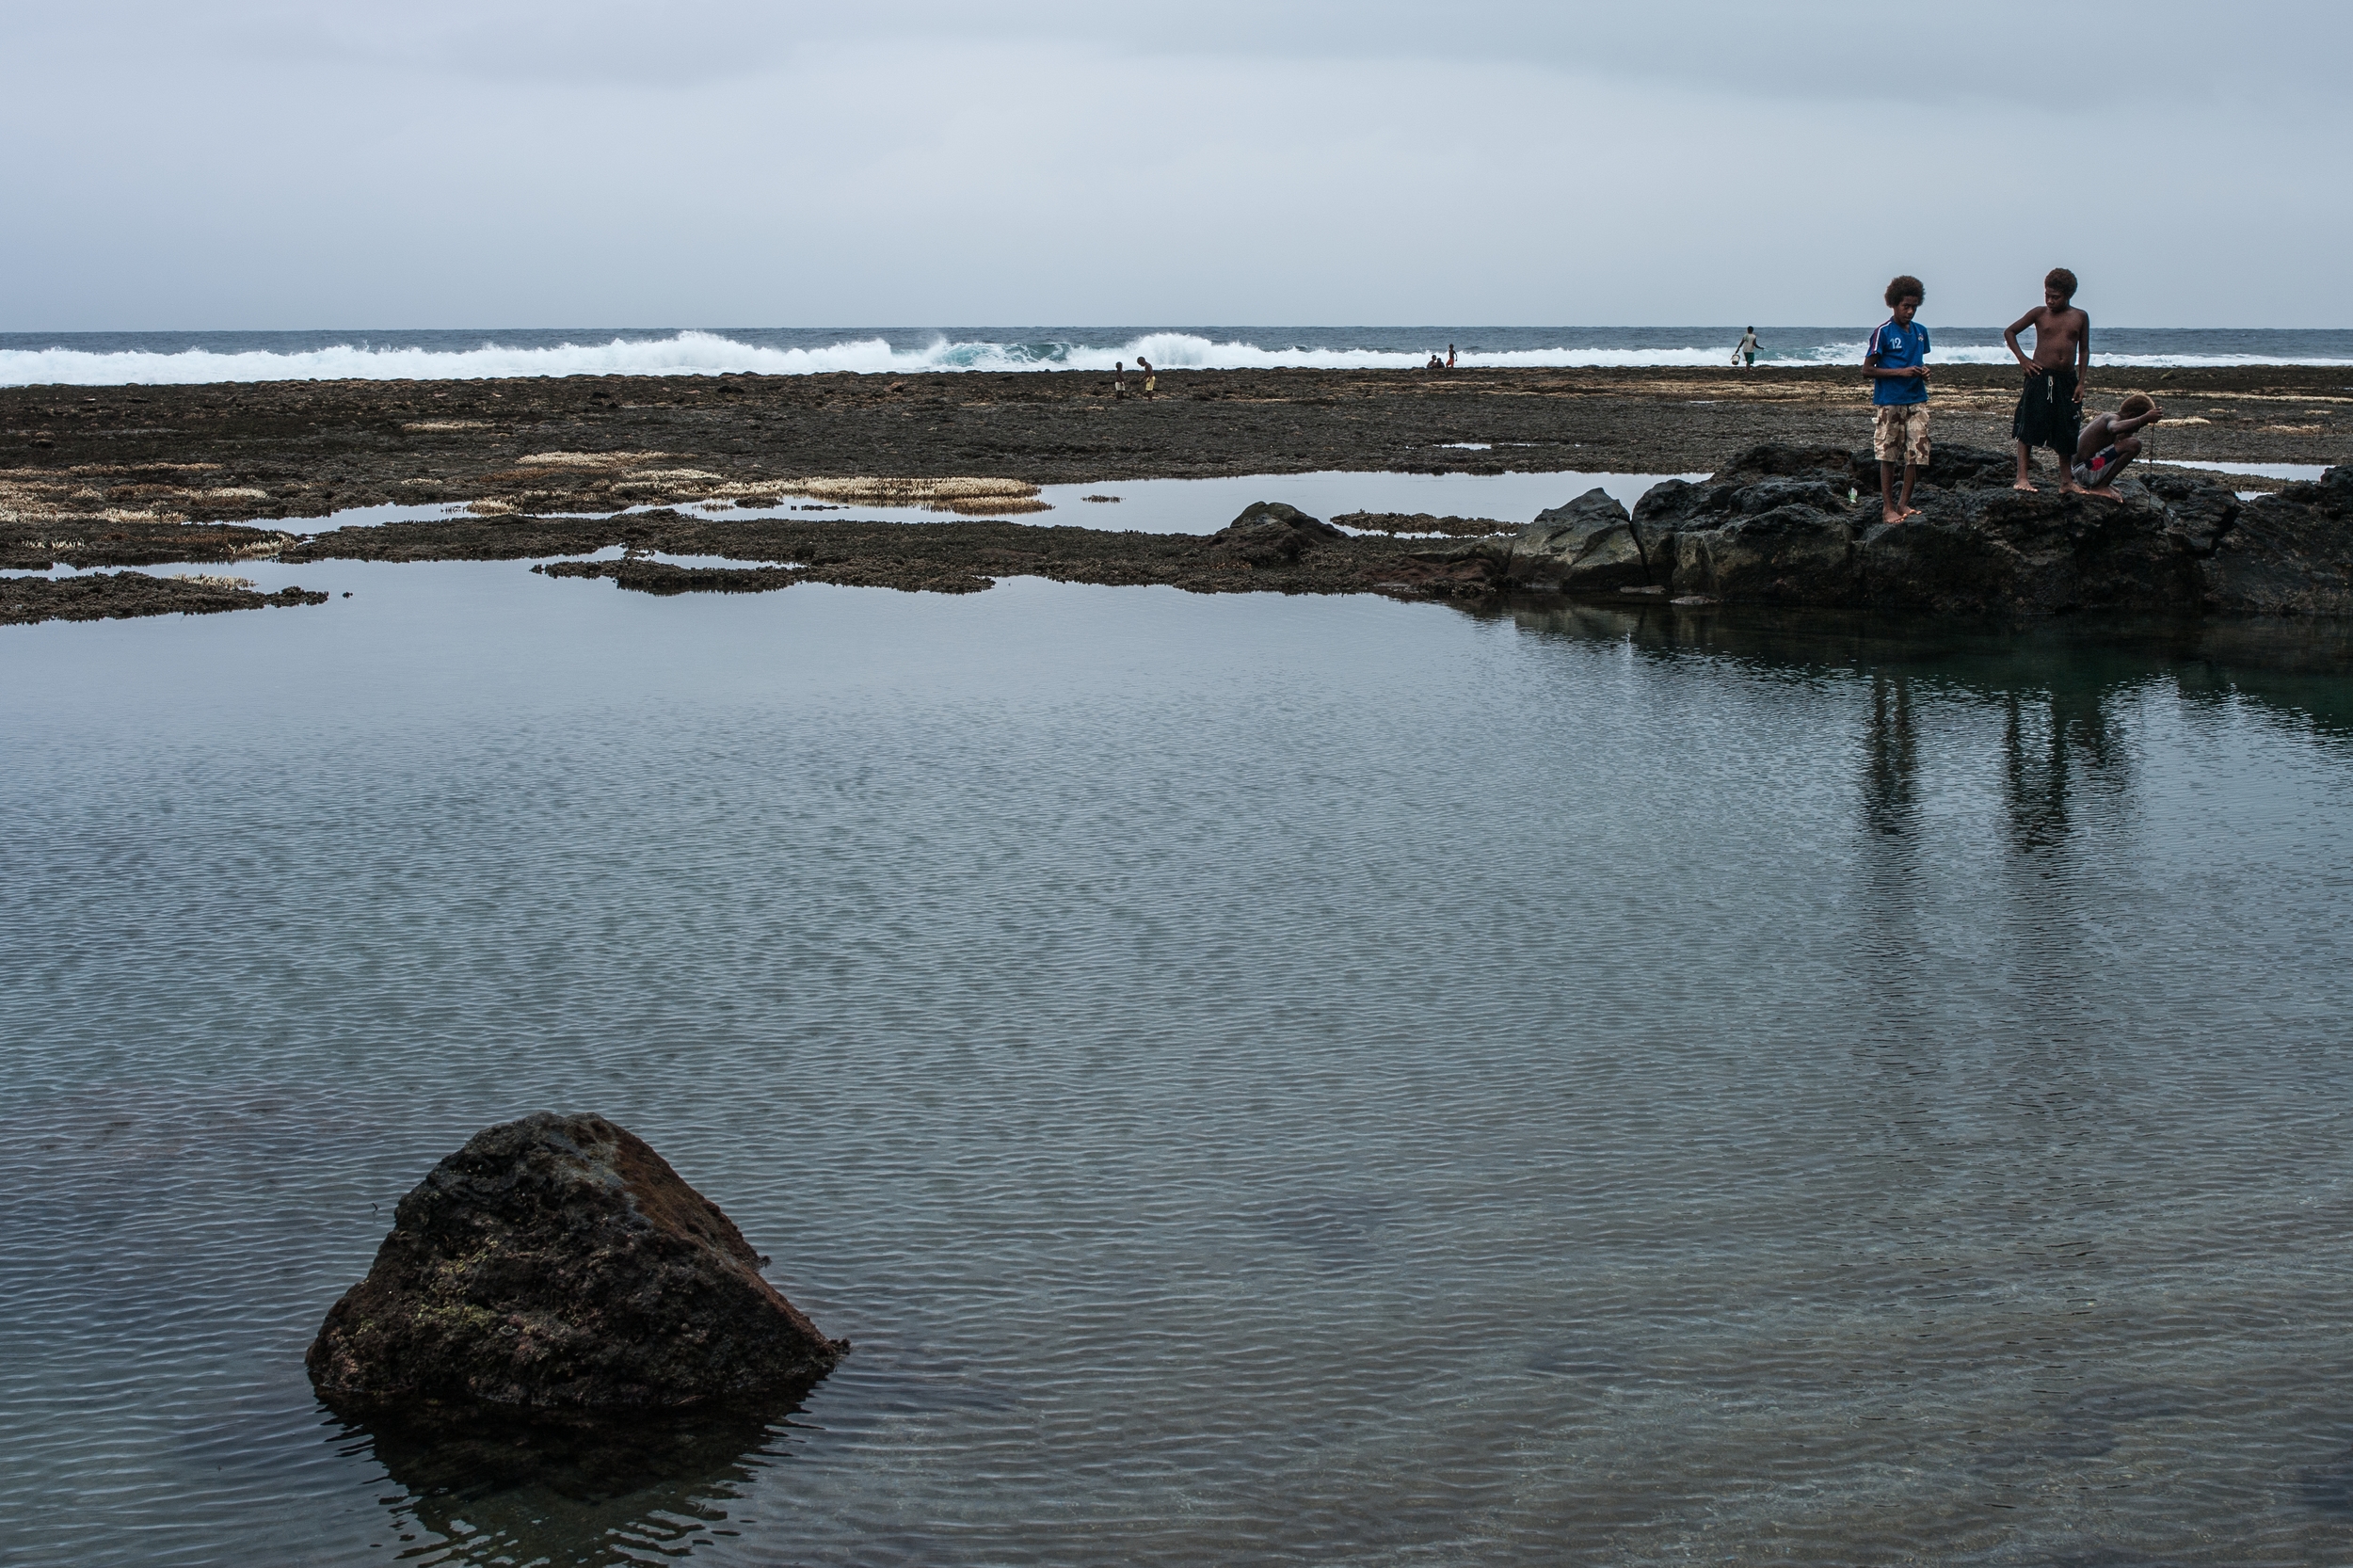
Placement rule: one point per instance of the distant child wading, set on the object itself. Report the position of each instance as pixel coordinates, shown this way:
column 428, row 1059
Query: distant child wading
column 1897, row 364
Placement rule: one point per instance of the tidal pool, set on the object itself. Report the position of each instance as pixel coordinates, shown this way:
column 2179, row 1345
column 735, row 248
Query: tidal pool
column 1257, row 1078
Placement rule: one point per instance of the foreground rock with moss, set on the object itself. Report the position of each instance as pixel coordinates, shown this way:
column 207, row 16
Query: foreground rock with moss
column 557, row 1264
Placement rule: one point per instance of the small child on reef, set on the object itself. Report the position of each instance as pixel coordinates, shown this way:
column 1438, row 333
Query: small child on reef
column 1895, row 362
column 2108, row 444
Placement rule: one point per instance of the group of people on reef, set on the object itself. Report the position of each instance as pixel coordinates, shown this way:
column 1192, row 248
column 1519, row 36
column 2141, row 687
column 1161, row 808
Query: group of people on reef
column 2092, row 453
column 1143, row 368
column 1447, row 363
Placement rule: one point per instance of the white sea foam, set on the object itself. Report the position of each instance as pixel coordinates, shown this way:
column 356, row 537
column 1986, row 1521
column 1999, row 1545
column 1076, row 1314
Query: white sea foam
column 695, row 353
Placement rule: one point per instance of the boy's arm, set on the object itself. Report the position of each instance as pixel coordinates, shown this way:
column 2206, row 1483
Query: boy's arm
column 2126, row 427
column 1877, row 372
column 2010, row 336
column 2083, row 356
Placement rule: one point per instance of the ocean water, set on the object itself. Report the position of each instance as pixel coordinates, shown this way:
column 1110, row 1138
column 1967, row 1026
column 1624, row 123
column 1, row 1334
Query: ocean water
column 110, row 358
column 1259, row 1078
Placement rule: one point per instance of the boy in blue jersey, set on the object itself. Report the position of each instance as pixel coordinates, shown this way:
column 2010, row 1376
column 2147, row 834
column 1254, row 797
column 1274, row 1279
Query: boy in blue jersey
column 1897, row 364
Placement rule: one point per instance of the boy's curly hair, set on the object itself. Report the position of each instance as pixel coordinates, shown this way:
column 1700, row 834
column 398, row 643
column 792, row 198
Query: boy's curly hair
column 2136, row 404
column 2061, row 278
column 1904, row 284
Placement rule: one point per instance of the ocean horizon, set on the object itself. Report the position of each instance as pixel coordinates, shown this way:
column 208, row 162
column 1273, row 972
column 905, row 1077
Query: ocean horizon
column 184, row 358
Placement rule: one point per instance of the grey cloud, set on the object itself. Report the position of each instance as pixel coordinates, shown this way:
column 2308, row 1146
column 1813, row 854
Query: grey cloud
column 520, row 163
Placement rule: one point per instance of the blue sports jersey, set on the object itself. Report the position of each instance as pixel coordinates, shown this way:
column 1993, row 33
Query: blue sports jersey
column 1894, row 348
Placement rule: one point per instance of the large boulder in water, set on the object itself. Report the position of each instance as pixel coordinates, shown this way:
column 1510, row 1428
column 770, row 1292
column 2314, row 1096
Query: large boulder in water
column 557, row 1264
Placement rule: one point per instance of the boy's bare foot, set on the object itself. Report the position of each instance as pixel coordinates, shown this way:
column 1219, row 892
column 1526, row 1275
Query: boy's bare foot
column 2099, row 493
column 2022, row 484
column 1892, row 517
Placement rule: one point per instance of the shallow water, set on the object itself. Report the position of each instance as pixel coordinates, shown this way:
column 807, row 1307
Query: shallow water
column 1258, row 1077
column 1177, row 506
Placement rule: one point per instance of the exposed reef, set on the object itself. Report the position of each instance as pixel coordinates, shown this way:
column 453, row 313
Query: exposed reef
column 1779, row 524
column 122, row 595
column 93, row 458
column 557, row 1264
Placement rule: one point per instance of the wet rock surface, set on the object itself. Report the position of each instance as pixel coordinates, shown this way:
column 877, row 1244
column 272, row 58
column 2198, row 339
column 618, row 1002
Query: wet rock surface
column 557, row 1264
column 122, row 595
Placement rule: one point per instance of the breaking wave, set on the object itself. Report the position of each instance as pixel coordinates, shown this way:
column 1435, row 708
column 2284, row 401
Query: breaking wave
column 707, row 353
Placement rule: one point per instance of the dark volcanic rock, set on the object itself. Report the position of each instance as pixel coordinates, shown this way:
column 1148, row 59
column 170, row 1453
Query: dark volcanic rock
column 1791, row 525
column 1269, row 532
column 2290, row 553
column 1788, row 554
column 1588, row 545
column 558, row 1264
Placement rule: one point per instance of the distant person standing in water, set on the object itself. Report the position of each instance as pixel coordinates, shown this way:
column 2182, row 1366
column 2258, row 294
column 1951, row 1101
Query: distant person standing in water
column 1744, row 356
column 2051, row 409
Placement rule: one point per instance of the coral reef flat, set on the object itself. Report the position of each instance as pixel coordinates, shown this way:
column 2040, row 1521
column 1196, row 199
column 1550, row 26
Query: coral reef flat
column 246, row 451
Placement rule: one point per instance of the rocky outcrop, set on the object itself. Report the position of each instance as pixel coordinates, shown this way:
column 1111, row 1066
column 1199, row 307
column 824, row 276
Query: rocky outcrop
column 557, row 1264
column 1803, row 526
column 1269, row 532
column 2288, row 553
column 1585, row 546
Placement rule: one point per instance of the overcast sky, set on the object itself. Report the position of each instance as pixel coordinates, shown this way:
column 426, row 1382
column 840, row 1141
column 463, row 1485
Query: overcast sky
column 486, row 162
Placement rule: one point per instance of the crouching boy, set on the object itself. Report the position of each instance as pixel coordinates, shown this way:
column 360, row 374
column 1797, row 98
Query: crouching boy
column 1900, row 396
column 2108, row 444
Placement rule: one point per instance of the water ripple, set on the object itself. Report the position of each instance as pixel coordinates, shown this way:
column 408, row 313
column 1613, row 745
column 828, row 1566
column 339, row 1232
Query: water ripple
column 1256, row 1078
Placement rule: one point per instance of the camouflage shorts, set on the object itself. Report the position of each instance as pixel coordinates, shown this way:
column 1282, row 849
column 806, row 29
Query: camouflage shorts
column 1900, row 433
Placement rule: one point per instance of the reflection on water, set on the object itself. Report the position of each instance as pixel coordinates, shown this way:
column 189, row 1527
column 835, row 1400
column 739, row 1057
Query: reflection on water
column 1257, row 1078
column 476, row 1489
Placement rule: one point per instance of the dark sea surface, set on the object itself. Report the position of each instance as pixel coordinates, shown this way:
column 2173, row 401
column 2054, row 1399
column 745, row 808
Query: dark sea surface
column 104, row 359
column 1259, row 1078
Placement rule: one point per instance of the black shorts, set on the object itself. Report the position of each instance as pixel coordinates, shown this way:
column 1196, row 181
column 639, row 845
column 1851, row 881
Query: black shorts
column 2048, row 414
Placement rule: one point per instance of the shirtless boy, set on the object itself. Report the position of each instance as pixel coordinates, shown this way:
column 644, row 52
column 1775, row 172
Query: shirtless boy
column 2108, row 444
column 2051, row 409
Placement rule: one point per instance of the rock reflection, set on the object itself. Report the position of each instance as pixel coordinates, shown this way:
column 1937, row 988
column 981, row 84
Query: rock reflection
column 477, row 1489
column 2072, row 664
